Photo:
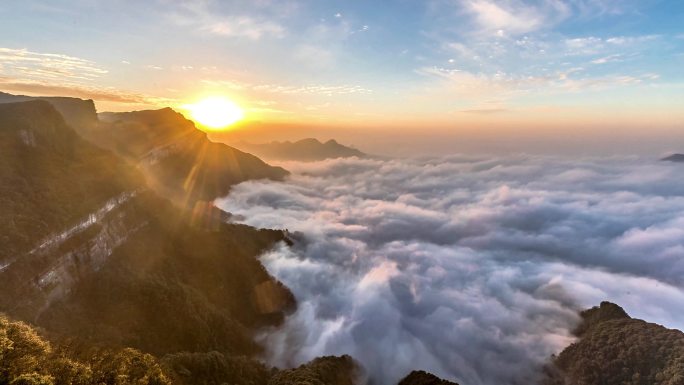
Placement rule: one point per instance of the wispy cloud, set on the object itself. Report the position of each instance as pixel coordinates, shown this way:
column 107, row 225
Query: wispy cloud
column 101, row 94
column 478, row 88
column 49, row 65
column 308, row 89
column 52, row 74
column 515, row 17
column 204, row 17
column 607, row 59
column 245, row 26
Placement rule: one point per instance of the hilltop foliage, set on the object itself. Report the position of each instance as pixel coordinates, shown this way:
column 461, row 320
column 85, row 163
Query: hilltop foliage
column 26, row 358
column 616, row 349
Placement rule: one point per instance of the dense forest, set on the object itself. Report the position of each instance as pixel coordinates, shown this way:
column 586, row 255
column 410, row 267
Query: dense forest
column 614, row 348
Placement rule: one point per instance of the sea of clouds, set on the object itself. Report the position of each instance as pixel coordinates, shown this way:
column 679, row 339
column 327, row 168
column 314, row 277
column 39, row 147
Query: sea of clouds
column 470, row 268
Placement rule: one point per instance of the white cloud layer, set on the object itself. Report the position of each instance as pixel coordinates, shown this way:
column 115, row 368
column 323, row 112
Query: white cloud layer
column 472, row 269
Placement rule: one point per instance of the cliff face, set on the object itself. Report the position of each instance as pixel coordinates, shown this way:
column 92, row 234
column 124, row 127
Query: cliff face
column 79, row 114
column 88, row 251
column 177, row 158
column 51, row 178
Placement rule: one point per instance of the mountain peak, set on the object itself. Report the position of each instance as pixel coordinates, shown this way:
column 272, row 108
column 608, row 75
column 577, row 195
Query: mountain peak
column 606, row 311
column 674, row 158
column 79, row 114
column 420, row 377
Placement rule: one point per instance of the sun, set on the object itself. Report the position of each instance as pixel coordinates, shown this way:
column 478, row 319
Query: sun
column 216, row 113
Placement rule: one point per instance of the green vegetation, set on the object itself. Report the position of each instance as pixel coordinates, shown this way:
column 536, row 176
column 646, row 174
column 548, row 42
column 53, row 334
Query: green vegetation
column 616, row 349
column 50, row 178
column 419, row 377
column 26, row 358
column 321, row 371
column 214, row 368
column 173, row 287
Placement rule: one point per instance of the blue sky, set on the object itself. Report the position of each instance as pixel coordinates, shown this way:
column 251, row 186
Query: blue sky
column 478, row 61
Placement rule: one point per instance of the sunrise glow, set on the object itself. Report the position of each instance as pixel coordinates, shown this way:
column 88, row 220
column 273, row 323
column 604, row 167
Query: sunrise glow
column 216, row 113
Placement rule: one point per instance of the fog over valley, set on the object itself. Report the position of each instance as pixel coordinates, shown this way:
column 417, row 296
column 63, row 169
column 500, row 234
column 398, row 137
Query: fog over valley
column 472, row 268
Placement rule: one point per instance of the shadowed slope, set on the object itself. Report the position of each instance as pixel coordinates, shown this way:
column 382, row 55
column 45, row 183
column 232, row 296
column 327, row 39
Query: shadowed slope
column 419, row 377
column 674, row 158
column 89, row 252
column 177, row 158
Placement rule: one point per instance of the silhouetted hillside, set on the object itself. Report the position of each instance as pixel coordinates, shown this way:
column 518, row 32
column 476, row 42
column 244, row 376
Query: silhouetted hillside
column 616, row 349
column 419, row 377
column 79, row 114
column 50, row 178
column 176, row 157
column 321, row 371
column 674, row 158
column 88, row 252
column 302, row 150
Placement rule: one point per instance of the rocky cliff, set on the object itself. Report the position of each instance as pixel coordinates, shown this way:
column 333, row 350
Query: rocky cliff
column 90, row 252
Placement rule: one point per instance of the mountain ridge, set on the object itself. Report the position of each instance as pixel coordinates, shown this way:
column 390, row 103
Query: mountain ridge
column 308, row 149
column 674, row 158
column 110, row 249
column 177, row 157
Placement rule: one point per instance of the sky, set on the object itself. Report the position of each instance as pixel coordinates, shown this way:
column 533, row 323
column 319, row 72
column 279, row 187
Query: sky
column 449, row 65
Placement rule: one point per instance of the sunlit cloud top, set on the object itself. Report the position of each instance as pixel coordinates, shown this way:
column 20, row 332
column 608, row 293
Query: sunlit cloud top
column 341, row 62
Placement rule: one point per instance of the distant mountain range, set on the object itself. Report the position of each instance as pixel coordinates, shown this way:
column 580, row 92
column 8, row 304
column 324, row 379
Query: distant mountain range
column 674, row 158
column 103, row 280
column 305, row 150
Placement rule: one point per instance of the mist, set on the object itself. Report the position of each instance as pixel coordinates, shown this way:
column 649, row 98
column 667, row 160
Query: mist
column 471, row 268
column 442, row 140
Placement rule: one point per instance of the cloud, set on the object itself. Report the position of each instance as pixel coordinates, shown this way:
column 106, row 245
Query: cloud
column 514, row 17
column 51, row 74
column 479, row 88
column 494, row 17
column 472, row 268
column 48, row 65
column 245, row 26
column 607, row 59
column 100, row 94
column 285, row 89
column 208, row 17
